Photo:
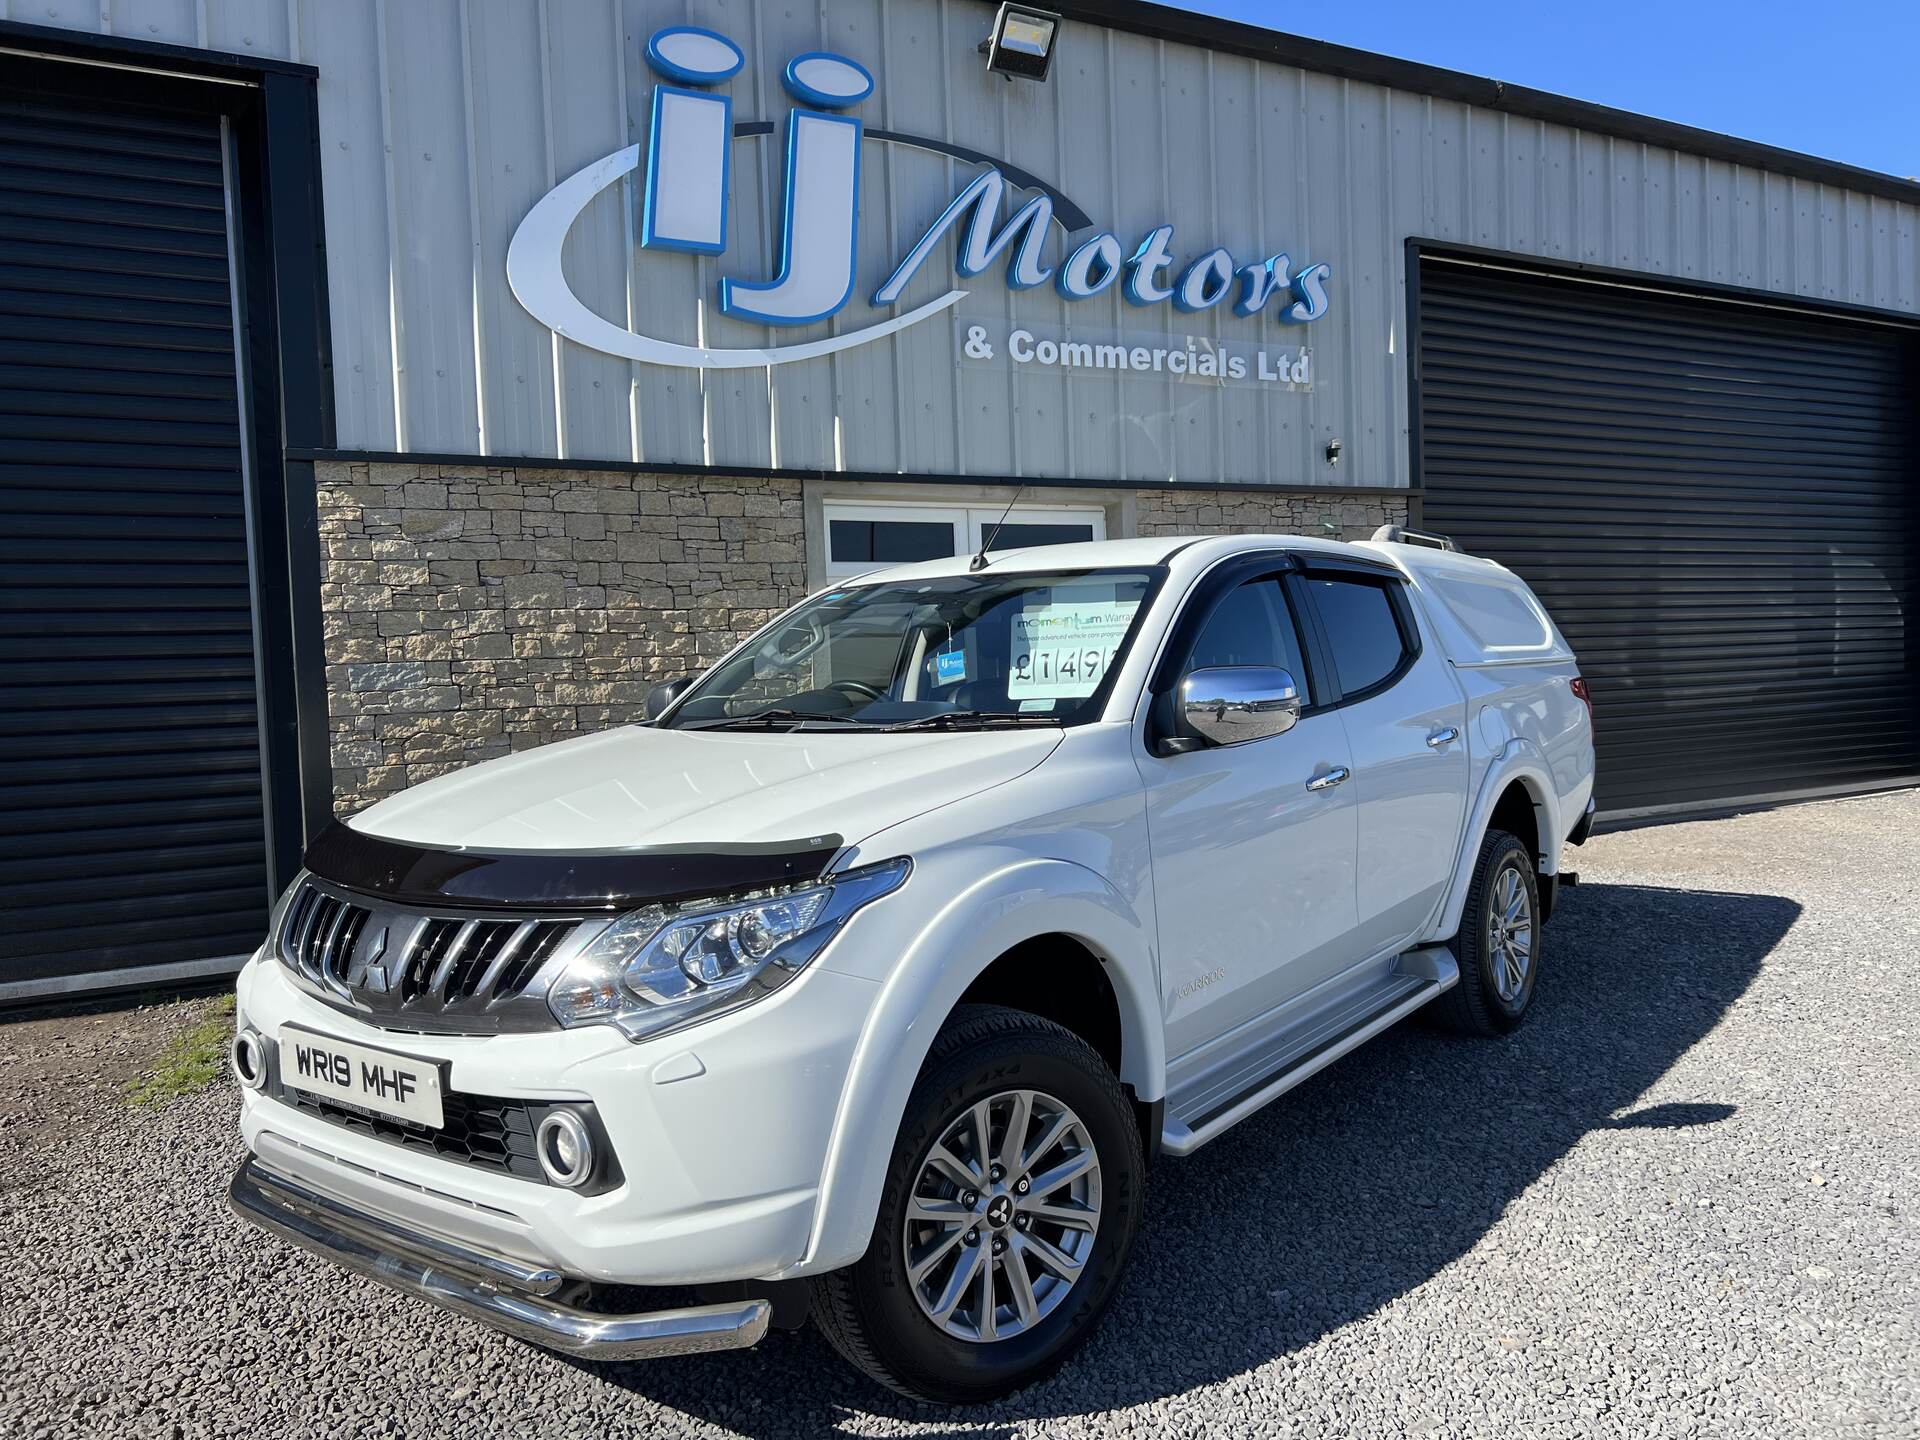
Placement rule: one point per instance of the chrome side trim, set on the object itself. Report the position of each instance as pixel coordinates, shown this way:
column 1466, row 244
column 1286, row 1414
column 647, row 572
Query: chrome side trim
column 505, row 1294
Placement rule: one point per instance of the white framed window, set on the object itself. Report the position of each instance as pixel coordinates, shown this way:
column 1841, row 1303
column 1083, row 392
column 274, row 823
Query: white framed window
column 866, row 537
column 1035, row 525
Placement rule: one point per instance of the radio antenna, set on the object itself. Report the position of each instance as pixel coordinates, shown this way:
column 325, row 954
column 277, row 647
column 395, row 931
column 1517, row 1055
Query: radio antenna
column 979, row 562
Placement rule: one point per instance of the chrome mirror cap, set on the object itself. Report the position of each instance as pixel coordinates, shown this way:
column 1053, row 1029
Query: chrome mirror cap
column 1232, row 704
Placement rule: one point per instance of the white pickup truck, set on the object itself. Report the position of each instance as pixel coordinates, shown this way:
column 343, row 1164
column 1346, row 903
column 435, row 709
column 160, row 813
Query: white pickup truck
column 866, row 980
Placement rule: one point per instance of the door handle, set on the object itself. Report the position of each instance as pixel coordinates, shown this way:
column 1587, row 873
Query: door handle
column 1443, row 737
column 1332, row 778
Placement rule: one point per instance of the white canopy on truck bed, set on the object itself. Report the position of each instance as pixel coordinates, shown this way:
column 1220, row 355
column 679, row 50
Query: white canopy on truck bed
column 1483, row 613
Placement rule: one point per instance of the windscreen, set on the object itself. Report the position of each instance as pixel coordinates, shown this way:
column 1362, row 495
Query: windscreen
column 953, row 651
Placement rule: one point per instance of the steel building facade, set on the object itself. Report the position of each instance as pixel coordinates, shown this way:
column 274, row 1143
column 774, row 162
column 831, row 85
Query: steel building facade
column 314, row 487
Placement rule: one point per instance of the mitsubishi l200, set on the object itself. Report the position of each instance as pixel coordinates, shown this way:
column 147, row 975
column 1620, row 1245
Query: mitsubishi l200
column 864, row 980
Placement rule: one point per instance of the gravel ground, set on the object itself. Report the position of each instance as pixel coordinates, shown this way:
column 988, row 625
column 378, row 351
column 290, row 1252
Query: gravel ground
column 1681, row 1201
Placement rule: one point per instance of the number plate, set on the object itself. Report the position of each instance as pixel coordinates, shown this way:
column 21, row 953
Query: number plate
column 377, row 1080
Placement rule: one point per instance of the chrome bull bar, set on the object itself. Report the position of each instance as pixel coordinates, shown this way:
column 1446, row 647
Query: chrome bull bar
column 507, row 1294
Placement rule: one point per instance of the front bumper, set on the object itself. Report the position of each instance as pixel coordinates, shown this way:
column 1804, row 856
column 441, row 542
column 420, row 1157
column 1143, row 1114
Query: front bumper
column 722, row 1131
column 496, row 1290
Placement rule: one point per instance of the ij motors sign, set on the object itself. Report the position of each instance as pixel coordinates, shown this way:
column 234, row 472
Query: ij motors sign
column 687, row 173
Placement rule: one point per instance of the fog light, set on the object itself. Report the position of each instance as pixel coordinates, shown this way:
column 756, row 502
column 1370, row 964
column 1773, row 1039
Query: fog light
column 566, row 1149
column 249, row 1059
column 1022, row 42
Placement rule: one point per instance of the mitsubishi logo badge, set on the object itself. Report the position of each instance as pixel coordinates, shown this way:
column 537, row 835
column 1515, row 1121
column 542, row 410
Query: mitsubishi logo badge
column 366, row 973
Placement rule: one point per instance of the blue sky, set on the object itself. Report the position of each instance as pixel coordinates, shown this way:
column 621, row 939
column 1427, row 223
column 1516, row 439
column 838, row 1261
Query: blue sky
column 1840, row 80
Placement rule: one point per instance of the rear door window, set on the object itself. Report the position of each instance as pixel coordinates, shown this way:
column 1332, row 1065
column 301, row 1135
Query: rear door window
column 1362, row 626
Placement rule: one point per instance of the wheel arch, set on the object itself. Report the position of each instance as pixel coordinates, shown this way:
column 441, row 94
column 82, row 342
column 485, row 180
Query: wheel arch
column 1057, row 977
column 1052, row 914
column 1518, row 788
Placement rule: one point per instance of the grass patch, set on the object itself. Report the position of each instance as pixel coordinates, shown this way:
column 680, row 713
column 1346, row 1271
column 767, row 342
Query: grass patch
column 191, row 1062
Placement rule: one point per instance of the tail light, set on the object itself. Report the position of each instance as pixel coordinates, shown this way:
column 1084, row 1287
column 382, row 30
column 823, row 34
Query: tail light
column 1585, row 697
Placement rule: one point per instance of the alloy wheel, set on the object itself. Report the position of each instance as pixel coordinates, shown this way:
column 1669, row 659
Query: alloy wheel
column 1509, row 937
column 1002, row 1216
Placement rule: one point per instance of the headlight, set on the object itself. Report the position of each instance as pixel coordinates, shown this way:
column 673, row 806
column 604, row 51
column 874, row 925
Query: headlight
column 658, row 968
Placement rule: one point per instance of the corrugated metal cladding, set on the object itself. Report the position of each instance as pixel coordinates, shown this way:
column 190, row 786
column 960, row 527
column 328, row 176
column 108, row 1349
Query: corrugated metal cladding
column 131, row 809
column 444, row 123
column 1719, row 503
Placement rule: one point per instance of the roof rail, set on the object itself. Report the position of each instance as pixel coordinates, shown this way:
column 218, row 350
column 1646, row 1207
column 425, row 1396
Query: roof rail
column 1400, row 535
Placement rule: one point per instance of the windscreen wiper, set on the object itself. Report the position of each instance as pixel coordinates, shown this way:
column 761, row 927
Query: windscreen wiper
column 973, row 719
column 767, row 719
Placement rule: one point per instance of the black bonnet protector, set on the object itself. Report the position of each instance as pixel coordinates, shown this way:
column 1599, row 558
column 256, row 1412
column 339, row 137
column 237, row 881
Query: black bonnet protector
column 521, row 880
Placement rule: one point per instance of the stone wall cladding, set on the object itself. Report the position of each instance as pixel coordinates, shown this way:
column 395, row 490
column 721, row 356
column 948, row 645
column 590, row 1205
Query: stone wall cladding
column 1334, row 514
column 473, row 611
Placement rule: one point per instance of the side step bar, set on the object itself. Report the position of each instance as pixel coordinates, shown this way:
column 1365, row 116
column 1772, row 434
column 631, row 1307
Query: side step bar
column 1293, row 1055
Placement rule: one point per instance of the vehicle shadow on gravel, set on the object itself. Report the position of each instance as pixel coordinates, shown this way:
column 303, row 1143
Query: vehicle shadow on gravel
column 1350, row 1190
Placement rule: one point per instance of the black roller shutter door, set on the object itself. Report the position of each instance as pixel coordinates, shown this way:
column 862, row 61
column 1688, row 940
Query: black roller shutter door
column 1715, row 500
column 131, row 806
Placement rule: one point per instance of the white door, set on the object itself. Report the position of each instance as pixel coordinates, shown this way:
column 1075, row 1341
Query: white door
column 1405, row 716
column 1252, row 870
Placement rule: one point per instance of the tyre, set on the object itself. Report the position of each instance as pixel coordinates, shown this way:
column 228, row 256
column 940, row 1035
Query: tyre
column 1007, row 1216
column 1498, row 946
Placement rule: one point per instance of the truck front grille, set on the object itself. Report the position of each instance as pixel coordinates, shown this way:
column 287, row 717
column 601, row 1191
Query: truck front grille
column 409, row 969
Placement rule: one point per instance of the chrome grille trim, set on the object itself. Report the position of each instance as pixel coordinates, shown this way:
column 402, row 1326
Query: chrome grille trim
column 443, row 971
column 487, row 979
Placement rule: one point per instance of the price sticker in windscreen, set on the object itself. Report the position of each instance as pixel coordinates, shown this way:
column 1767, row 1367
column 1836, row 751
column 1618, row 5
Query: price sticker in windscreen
column 1063, row 651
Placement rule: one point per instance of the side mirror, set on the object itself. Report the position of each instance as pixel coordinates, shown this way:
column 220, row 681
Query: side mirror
column 1232, row 704
column 665, row 693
